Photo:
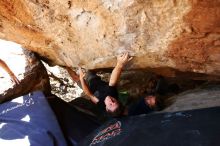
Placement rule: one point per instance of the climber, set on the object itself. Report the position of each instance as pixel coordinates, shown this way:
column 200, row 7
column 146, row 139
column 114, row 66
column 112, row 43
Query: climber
column 101, row 93
column 144, row 105
column 154, row 100
column 8, row 70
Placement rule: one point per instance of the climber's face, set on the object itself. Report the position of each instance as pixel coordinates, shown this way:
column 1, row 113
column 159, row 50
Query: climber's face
column 150, row 100
column 111, row 104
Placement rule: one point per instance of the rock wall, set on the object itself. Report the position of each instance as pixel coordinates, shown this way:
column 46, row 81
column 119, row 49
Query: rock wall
column 179, row 34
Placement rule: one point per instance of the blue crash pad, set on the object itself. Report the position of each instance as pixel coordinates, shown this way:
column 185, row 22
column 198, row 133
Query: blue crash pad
column 29, row 120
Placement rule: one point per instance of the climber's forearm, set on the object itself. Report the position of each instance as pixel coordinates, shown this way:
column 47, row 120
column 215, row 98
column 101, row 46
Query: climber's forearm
column 88, row 92
column 122, row 60
column 115, row 75
column 72, row 74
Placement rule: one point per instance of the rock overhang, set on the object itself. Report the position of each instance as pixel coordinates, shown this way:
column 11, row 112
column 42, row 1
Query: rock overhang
column 182, row 35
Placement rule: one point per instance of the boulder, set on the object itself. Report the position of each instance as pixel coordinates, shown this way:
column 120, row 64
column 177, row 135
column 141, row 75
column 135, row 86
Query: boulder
column 205, row 96
column 183, row 35
column 26, row 67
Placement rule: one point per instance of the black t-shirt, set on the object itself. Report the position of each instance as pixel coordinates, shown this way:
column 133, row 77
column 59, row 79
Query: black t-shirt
column 100, row 89
column 103, row 92
column 138, row 108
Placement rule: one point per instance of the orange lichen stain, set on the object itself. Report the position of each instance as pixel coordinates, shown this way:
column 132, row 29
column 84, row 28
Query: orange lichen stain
column 191, row 51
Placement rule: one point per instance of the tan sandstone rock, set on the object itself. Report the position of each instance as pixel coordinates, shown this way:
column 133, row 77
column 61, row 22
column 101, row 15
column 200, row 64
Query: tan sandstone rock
column 30, row 72
column 179, row 34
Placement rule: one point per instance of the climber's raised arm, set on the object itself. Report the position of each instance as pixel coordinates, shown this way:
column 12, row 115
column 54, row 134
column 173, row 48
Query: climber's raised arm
column 72, row 74
column 122, row 60
column 80, row 78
